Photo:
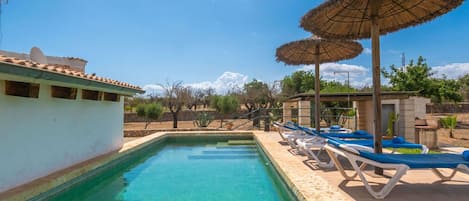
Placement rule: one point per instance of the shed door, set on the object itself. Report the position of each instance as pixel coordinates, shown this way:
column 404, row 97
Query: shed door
column 386, row 109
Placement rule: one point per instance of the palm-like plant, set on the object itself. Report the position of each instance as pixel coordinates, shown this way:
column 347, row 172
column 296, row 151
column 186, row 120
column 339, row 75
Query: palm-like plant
column 449, row 122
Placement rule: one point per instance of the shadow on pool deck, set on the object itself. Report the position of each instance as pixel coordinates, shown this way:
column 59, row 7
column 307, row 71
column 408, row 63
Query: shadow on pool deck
column 415, row 185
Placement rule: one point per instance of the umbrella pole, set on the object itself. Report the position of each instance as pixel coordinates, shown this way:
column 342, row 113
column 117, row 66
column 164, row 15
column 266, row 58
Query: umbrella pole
column 375, row 54
column 317, row 89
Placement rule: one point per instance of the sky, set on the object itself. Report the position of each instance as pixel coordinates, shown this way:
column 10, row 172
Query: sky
column 210, row 43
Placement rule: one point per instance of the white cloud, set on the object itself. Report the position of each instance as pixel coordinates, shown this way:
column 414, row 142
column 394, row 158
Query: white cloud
column 452, row 71
column 336, row 69
column 367, row 50
column 153, row 89
column 359, row 75
column 227, row 81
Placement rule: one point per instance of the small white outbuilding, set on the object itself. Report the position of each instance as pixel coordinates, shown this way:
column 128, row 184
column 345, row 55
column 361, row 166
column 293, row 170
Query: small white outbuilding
column 53, row 116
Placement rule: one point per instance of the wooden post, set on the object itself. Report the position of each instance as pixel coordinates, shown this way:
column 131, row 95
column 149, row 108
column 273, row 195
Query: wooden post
column 375, row 54
column 317, row 88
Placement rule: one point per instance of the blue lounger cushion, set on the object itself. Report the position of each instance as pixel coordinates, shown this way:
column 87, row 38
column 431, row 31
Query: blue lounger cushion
column 286, row 125
column 398, row 140
column 289, row 127
column 337, row 135
column 418, row 160
column 361, row 132
column 385, row 143
column 335, row 127
column 348, row 135
column 465, row 154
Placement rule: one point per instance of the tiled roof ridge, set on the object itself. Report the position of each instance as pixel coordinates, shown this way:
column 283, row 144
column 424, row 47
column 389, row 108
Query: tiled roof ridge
column 66, row 57
column 65, row 70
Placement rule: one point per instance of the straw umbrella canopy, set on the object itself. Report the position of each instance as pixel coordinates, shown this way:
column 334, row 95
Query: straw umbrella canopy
column 316, row 50
column 357, row 19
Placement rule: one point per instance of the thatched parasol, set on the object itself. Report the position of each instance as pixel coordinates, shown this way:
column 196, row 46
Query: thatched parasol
column 352, row 19
column 315, row 50
column 356, row 19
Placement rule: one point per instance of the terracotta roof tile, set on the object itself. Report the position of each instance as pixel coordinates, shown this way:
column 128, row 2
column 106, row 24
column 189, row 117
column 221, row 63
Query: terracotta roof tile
column 65, row 70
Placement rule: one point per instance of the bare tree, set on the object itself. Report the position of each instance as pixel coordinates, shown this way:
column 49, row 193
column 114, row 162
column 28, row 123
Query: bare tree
column 258, row 97
column 175, row 97
column 207, row 95
column 191, row 99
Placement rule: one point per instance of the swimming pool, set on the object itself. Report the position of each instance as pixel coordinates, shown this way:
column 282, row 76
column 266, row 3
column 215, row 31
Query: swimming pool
column 187, row 168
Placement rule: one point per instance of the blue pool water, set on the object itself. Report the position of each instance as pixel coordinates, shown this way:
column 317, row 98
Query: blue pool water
column 184, row 170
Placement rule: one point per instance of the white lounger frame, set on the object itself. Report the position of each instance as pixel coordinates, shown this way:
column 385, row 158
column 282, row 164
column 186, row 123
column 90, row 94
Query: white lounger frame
column 350, row 152
column 290, row 136
column 306, row 147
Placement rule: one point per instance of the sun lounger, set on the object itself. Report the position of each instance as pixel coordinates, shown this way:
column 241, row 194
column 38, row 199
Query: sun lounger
column 360, row 156
column 318, row 141
column 359, row 134
column 335, row 129
column 366, row 140
column 289, row 133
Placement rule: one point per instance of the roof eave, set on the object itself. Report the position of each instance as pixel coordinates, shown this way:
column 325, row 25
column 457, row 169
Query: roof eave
column 14, row 69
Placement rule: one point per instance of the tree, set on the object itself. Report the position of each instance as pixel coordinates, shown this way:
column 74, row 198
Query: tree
column 224, row 105
column 192, row 100
column 303, row 82
column 335, row 87
column 419, row 77
column 416, row 77
column 150, row 111
column 175, row 97
column 333, row 110
column 298, row 82
column 207, row 96
column 446, row 90
column 464, row 82
column 256, row 96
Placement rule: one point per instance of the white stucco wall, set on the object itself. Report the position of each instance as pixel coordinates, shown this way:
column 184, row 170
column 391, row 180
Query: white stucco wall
column 40, row 136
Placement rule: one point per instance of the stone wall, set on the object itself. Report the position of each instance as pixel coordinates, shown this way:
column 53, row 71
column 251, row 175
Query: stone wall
column 182, row 116
column 304, row 113
column 407, row 119
column 448, row 108
column 364, row 115
column 142, row 133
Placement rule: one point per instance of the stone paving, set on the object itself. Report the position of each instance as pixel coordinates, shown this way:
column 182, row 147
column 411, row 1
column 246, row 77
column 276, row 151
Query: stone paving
column 302, row 180
column 315, row 183
column 457, row 150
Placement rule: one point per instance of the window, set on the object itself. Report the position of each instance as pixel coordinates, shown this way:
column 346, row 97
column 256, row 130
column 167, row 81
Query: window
column 64, row 92
column 90, row 95
column 111, row 97
column 22, row 89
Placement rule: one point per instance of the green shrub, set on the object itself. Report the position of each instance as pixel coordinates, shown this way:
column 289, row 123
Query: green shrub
column 224, row 105
column 449, row 122
column 392, row 118
column 151, row 111
column 203, row 120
